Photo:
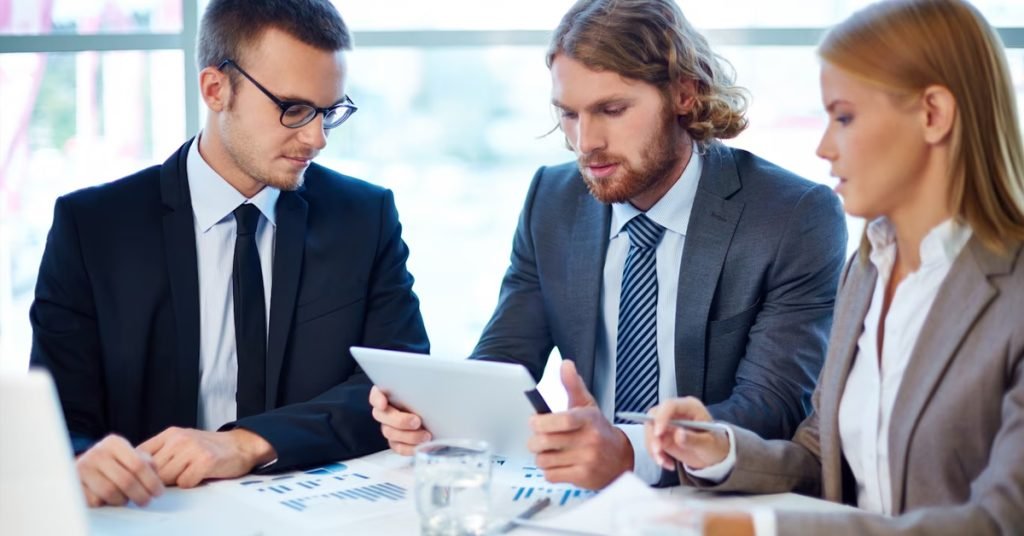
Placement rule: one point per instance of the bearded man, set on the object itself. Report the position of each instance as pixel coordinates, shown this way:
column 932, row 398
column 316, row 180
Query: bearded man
column 661, row 263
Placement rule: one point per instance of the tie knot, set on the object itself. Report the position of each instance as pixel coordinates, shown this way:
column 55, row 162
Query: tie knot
column 246, row 218
column 644, row 233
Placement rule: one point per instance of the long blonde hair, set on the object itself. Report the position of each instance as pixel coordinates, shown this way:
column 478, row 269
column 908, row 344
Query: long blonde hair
column 651, row 41
column 909, row 45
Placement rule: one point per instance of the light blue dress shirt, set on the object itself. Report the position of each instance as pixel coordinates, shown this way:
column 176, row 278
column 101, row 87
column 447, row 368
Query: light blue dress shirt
column 672, row 212
column 213, row 204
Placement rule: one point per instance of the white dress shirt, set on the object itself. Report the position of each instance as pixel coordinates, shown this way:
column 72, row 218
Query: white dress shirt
column 874, row 382
column 672, row 212
column 213, row 204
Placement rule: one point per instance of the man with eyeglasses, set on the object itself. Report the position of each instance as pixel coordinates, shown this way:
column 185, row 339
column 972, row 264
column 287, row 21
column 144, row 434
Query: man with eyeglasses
column 196, row 316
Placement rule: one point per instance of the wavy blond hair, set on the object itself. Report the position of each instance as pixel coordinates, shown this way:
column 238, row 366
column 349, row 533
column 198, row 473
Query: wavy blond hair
column 651, row 41
column 905, row 46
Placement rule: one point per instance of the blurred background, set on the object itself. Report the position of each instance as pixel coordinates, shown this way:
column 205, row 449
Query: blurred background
column 453, row 102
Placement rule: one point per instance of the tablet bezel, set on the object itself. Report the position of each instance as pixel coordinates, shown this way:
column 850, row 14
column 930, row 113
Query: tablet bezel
column 457, row 398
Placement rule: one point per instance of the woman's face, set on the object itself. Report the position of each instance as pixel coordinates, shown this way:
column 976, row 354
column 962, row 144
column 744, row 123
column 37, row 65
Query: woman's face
column 876, row 144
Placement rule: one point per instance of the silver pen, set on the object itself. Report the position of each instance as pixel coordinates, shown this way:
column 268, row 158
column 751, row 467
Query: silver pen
column 533, row 510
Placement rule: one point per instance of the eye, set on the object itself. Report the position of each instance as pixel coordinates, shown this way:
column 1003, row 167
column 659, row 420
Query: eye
column 296, row 111
column 566, row 114
column 614, row 111
column 844, row 119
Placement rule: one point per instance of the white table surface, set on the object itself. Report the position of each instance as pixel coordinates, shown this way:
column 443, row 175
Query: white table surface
column 199, row 511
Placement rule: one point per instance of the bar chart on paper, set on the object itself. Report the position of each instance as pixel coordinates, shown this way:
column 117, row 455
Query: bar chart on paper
column 527, row 484
column 333, row 494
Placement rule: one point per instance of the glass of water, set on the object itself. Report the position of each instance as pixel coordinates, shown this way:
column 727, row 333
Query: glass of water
column 453, row 484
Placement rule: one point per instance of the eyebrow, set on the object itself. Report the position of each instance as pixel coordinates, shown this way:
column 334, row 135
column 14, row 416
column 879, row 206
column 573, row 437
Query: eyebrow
column 832, row 105
column 299, row 100
column 615, row 99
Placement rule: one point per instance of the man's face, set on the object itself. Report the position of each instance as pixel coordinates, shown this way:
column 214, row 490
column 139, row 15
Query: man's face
column 259, row 149
column 625, row 135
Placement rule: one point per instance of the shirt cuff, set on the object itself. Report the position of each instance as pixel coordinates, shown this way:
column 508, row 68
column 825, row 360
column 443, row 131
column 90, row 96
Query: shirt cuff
column 643, row 465
column 764, row 521
column 720, row 471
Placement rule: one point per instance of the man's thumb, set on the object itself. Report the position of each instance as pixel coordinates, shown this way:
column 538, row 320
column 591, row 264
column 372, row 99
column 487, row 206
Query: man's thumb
column 579, row 396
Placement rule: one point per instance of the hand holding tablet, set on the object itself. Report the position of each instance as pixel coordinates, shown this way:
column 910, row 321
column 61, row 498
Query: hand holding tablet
column 458, row 398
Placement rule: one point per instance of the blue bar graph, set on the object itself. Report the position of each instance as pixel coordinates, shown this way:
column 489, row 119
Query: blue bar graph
column 385, row 491
column 317, row 498
column 560, row 495
column 532, row 472
column 328, row 469
column 342, row 478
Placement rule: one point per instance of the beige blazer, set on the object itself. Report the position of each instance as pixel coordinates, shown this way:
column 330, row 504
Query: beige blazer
column 957, row 431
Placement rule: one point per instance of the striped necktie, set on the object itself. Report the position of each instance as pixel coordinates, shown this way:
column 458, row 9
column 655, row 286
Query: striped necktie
column 636, row 363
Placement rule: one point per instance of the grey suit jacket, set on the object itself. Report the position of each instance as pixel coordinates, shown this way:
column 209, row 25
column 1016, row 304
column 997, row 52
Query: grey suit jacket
column 757, row 282
column 957, row 430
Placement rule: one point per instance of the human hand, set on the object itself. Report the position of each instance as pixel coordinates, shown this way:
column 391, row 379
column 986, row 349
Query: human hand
column 579, row 446
column 667, row 443
column 112, row 472
column 402, row 429
column 185, row 456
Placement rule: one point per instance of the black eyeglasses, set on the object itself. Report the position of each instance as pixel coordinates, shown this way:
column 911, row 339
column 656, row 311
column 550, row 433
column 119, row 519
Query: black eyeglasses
column 298, row 114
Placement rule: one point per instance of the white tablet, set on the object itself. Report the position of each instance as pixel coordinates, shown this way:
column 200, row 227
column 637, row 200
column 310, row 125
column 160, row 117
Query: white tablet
column 457, row 398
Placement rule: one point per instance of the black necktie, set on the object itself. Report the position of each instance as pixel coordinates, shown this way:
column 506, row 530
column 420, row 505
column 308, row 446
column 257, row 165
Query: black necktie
column 250, row 314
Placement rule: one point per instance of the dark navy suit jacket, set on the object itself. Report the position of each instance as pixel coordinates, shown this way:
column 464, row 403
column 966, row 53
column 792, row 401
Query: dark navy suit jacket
column 116, row 313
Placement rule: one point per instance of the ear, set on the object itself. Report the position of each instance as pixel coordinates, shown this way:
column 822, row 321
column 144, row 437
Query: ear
column 939, row 113
column 684, row 96
column 215, row 88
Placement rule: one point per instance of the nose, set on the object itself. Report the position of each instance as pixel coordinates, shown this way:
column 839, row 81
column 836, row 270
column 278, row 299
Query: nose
column 826, row 147
column 589, row 135
column 313, row 133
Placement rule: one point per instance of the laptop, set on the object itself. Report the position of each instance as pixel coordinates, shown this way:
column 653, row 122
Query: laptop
column 39, row 488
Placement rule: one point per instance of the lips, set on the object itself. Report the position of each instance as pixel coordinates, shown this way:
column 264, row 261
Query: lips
column 302, row 160
column 602, row 170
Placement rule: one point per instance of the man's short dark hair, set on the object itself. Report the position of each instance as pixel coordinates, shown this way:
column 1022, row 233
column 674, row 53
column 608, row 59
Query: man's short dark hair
column 228, row 26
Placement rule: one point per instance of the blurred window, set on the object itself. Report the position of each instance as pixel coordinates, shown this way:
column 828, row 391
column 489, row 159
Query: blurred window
column 452, row 117
column 78, row 17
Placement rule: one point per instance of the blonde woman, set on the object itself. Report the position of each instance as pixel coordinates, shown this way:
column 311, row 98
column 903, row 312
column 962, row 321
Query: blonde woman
column 919, row 412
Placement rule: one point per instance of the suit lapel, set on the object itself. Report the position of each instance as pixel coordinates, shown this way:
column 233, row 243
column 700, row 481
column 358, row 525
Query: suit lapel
column 962, row 297
column 851, row 309
column 290, row 245
column 588, row 247
column 183, row 274
column 709, row 234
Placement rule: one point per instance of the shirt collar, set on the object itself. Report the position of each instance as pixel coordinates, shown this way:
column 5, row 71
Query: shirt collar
column 942, row 244
column 213, row 199
column 673, row 210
